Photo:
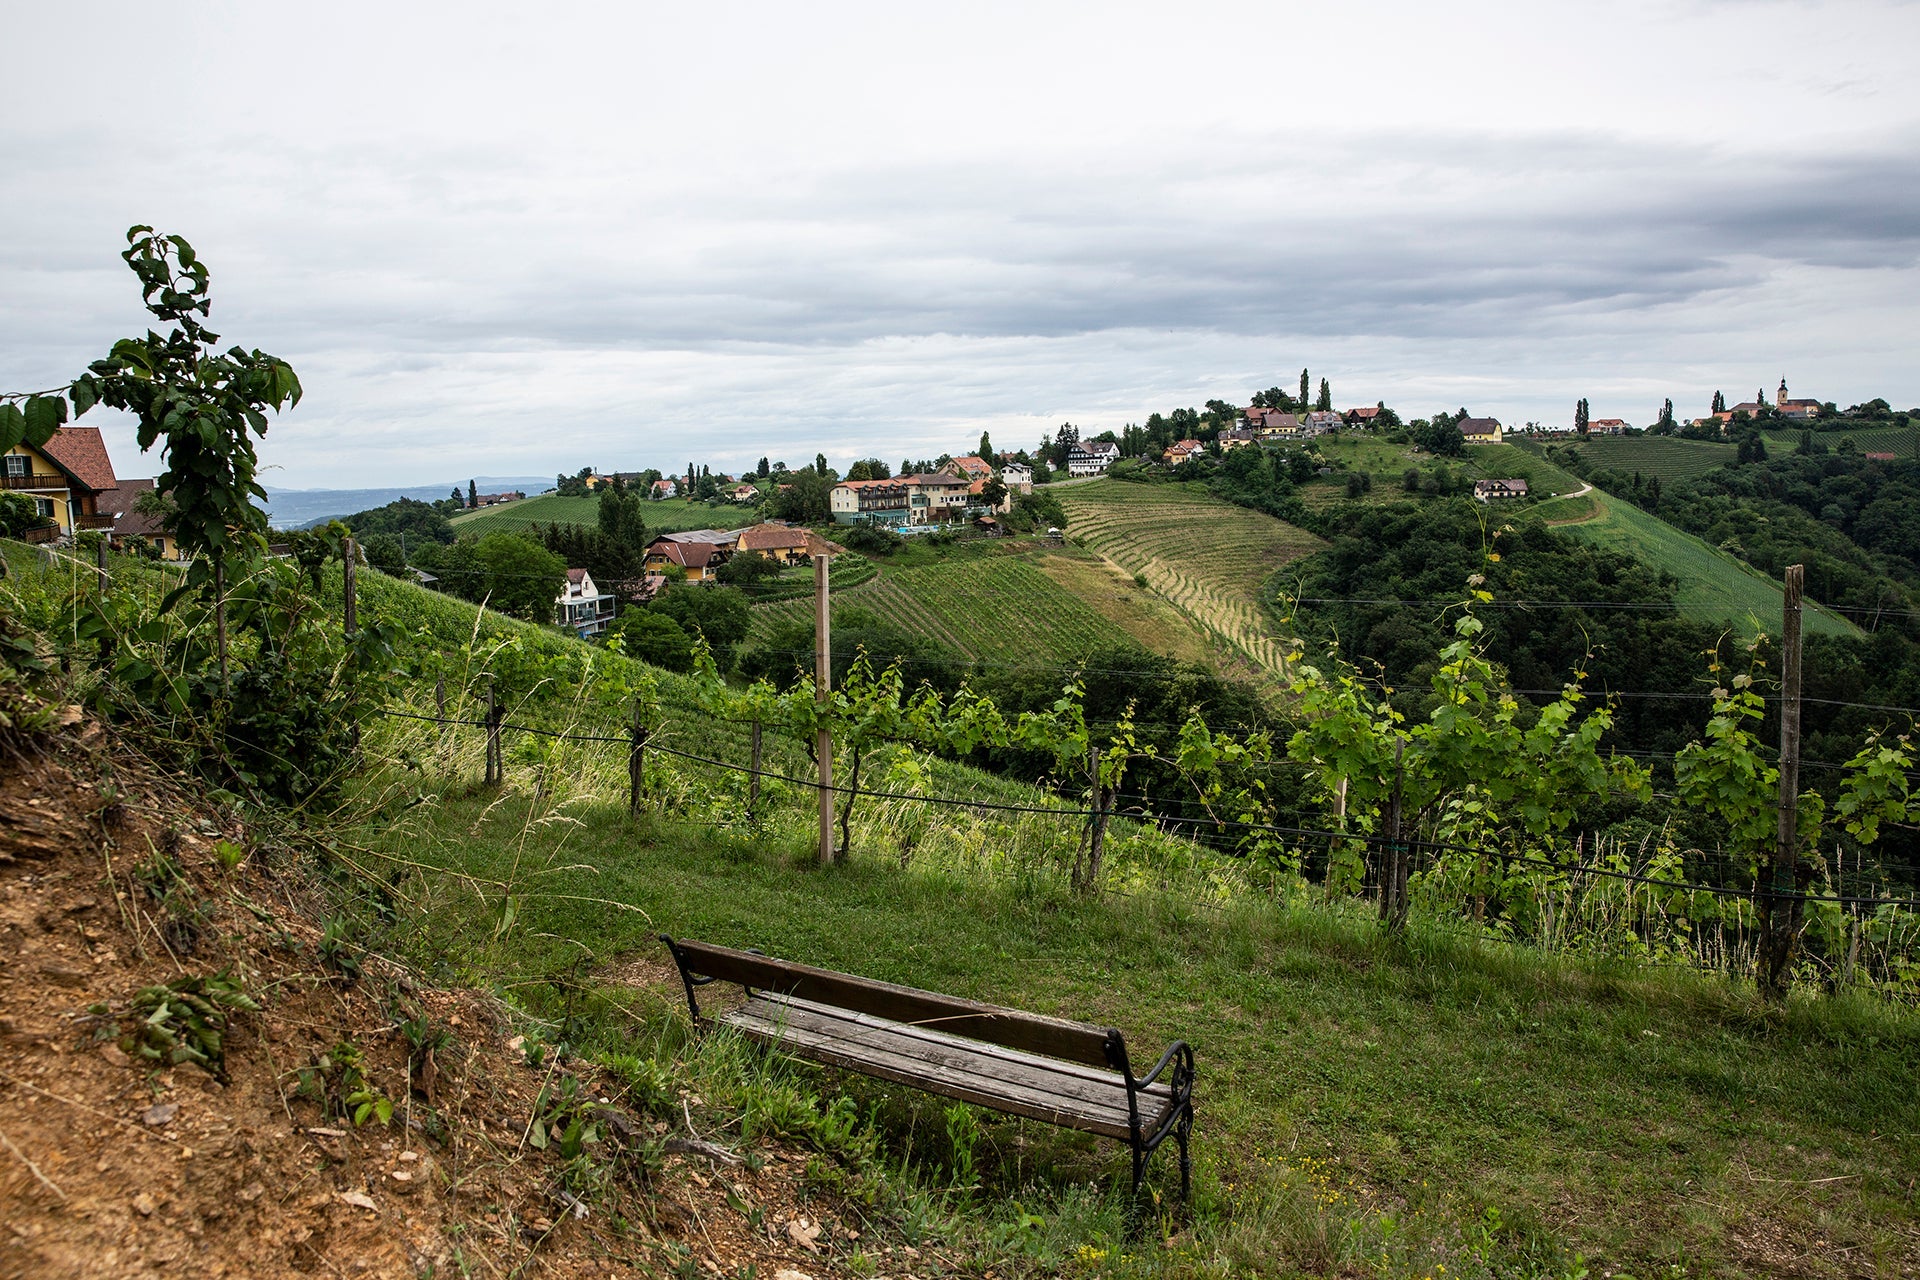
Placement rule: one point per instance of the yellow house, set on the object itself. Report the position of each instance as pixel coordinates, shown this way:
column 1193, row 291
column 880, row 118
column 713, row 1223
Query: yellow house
column 120, row 504
column 64, row 478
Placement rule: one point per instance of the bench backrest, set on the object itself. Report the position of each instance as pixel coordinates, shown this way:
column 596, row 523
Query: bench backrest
column 1012, row 1028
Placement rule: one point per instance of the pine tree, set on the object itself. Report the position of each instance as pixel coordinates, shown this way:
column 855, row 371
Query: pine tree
column 1325, row 403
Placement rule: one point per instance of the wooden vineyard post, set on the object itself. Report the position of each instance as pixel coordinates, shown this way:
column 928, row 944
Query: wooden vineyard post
column 220, row 619
column 1781, row 908
column 1096, row 822
column 440, row 701
column 753, row 778
column 1396, row 848
column 100, row 562
column 493, row 739
column 822, row 691
column 350, row 613
column 636, row 758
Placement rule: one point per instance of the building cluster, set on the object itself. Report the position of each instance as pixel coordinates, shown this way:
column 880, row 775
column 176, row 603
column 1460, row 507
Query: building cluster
column 71, row 484
column 941, row 497
column 695, row 555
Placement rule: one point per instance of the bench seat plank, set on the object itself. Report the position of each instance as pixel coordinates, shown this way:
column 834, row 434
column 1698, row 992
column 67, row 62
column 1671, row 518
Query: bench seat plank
column 952, row 1066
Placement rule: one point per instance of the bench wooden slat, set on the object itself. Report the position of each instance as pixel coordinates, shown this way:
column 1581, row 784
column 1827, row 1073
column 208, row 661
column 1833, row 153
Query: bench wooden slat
column 1046, row 1074
column 990, row 1083
column 1075, row 1042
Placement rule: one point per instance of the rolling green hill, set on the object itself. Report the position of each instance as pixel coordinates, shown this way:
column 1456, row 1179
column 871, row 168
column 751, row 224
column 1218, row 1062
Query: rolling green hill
column 1714, row 586
column 662, row 517
column 1663, row 456
column 1207, row 558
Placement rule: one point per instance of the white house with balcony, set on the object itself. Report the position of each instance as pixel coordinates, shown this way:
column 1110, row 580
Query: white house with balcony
column 584, row 607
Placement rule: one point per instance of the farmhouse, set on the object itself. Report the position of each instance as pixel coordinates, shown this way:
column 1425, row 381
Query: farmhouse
column 1480, row 430
column 1321, row 421
column 1091, row 457
column 64, row 479
column 664, row 488
column 1269, row 424
column 582, row 606
column 698, row 552
column 1231, row 440
column 781, row 543
column 1364, row 417
column 1180, row 451
column 497, row 499
column 743, row 493
column 972, row 468
column 129, row 523
column 1491, row 490
column 1606, row 427
column 1017, row 477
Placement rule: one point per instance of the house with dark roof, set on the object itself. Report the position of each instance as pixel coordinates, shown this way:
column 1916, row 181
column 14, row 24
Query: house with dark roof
column 1091, row 457
column 122, row 502
column 699, row 552
column 63, row 478
column 1493, row 490
column 1480, row 430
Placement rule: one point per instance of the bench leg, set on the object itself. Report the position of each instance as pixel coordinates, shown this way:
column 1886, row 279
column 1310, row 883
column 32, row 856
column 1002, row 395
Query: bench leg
column 1181, row 1129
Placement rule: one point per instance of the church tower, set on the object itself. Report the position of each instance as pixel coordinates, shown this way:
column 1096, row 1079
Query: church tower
column 1780, row 396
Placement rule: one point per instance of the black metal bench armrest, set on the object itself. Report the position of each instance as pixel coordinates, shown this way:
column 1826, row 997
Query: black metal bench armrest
column 1179, row 1049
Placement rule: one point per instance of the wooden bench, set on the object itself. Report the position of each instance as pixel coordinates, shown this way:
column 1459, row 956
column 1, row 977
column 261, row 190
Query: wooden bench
column 1069, row 1074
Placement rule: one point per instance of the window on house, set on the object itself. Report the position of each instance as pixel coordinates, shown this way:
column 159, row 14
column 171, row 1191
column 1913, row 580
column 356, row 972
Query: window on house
column 44, row 506
column 18, row 464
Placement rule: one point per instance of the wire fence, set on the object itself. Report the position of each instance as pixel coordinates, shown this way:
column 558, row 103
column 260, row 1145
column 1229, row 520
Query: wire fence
column 1421, row 849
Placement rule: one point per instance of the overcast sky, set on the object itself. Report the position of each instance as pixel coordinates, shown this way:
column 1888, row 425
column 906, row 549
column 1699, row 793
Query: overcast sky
column 506, row 240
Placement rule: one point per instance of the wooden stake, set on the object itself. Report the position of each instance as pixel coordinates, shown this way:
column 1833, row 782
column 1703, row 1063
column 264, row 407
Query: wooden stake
column 753, row 777
column 351, row 556
column 220, row 620
column 822, row 690
column 100, row 562
column 493, row 738
column 1781, row 908
column 636, row 758
column 1393, row 867
column 1096, row 821
column 440, row 700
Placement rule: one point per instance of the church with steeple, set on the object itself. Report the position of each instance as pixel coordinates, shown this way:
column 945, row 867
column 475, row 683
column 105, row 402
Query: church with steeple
column 1801, row 409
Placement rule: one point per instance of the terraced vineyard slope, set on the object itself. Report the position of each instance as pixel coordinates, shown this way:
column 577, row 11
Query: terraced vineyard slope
column 661, row 517
column 1714, row 586
column 1207, row 558
column 1900, row 441
column 993, row 604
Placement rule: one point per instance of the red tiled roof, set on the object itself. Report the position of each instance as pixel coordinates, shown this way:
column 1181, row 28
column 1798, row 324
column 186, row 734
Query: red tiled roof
column 81, row 453
column 576, row 576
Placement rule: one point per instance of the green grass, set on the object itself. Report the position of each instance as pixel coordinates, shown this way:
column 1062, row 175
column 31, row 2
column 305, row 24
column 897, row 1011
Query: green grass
column 1366, row 1105
column 668, row 516
column 1663, row 456
column 1714, row 585
column 1208, row 559
column 1508, row 461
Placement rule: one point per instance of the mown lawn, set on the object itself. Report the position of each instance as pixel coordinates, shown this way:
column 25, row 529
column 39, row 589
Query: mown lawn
column 1413, row 1101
